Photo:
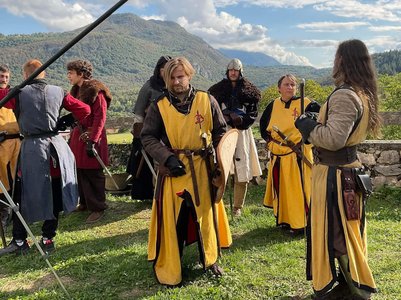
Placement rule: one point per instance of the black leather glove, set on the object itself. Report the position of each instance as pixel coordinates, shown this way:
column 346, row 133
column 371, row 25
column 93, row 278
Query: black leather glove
column 313, row 107
column 305, row 124
column 175, row 166
column 312, row 110
column 65, row 121
column 226, row 114
column 90, row 148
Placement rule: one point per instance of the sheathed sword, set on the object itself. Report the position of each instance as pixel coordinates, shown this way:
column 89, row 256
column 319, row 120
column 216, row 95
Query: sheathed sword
column 292, row 145
column 105, row 168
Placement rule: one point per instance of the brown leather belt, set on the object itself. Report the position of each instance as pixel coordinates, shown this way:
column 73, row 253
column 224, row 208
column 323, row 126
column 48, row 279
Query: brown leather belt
column 12, row 136
column 343, row 156
column 190, row 154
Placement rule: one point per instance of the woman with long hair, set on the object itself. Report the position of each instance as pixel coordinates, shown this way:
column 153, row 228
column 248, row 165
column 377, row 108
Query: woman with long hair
column 337, row 225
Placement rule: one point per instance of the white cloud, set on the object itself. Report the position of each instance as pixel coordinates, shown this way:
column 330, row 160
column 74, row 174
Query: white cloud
column 379, row 10
column 223, row 30
column 384, row 28
column 269, row 3
column 383, row 43
column 56, row 15
column 330, row 26
column 316, row 43
column 154, row 17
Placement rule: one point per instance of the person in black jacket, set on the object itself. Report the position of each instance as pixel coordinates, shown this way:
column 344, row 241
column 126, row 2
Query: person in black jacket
column 142, row 183
column 238, row 99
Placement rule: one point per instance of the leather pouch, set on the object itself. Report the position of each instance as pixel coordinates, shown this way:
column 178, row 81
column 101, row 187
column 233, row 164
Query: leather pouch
column 350, row 199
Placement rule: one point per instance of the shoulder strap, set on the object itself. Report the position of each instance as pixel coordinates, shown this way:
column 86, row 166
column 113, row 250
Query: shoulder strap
column 347, row 87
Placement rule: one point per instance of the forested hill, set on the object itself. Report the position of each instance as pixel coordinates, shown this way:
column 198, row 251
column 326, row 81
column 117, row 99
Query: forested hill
column 124, row 50
column 388, row 62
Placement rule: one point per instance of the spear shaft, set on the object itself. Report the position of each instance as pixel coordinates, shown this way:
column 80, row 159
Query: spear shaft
column 88, row 29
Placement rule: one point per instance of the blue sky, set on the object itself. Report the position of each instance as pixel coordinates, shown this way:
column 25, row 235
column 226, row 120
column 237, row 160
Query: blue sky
column 292, row 31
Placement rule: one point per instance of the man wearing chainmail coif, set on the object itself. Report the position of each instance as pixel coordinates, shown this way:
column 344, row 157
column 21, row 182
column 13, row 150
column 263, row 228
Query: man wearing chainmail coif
column 238, row 99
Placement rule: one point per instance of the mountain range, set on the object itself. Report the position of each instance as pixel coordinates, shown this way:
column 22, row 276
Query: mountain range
column 125, row 48
column 251, row 58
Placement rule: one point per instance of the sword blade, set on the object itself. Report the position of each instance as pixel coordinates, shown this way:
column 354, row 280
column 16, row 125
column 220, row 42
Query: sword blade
column 105, row 168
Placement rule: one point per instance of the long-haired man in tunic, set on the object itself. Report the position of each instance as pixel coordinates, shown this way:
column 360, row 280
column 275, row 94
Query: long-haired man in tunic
column 90, row 136
column 46, row 181
column 180, row 131
column 337, row 229
column 239, row 99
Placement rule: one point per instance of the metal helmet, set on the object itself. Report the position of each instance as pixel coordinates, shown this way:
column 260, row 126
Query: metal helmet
column 235, row 64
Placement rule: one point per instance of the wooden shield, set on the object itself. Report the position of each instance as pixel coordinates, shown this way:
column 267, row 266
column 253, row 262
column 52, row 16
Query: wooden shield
column 225, row 155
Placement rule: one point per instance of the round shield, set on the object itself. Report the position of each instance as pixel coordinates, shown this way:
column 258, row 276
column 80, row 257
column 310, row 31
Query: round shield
column 225, row 155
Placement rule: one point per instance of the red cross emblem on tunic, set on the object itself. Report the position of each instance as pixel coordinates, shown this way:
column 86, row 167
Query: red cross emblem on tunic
column 199, row 119
column 295, row 113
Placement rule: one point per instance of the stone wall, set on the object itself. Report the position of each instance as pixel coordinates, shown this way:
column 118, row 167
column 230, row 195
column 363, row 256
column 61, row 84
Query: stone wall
column 119, row 124
column 381, row 159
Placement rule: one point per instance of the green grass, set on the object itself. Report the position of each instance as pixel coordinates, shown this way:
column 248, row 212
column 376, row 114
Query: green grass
column 108, row 260
column 119, row 138
column 126, row 137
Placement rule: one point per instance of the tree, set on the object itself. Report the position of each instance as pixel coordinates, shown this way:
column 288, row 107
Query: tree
column 268, row 95
column 313, row 91
column 390, row 92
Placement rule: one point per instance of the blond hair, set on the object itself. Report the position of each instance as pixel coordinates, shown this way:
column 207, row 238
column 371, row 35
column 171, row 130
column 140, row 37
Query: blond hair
column 173, row 64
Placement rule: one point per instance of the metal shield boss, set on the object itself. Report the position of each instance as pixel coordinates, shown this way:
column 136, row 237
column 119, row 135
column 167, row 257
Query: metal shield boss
column 225, row 155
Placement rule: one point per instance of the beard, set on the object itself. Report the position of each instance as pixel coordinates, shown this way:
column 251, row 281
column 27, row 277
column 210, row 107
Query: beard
column 179, row 89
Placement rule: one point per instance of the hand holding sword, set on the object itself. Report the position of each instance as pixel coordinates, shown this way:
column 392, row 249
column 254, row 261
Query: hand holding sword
column 287, row 142
column 104, row 167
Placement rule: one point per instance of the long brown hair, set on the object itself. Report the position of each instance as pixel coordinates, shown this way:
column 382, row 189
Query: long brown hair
column 353, row 66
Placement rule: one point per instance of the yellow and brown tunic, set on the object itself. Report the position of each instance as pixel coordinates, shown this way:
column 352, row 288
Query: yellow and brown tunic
column 344, row 123
column 286, row 191
column 174, row 220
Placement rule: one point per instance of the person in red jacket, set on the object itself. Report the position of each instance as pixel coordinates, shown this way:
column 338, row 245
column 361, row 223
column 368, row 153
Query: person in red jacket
column 89, row 136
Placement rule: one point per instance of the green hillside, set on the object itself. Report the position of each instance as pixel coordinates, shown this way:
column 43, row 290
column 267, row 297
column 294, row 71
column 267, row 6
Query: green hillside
column 124, row 50
column 388, row 63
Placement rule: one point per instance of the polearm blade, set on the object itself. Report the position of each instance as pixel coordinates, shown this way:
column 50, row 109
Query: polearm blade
column 105, row 168
column 88, row 29
column 15, row 208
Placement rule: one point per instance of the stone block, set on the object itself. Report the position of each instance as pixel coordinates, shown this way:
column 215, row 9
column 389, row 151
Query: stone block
column 379, row 181
column 367, row 159
column 391, row 170
column 389, row 157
